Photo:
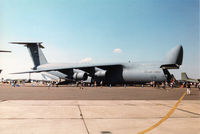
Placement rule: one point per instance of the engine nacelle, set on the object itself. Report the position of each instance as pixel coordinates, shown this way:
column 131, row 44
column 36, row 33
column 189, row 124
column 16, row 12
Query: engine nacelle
column 80, row 76
column 100, row 74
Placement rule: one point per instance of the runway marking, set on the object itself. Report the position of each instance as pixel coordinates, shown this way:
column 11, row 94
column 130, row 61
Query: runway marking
column 185, row 111
column 81, row 114
column 188, row 111
column 165, row 117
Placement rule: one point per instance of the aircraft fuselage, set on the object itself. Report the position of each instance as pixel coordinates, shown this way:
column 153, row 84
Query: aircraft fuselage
column 126, row 73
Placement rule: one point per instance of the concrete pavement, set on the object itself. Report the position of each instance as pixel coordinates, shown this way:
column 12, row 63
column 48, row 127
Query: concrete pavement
column 97, row 116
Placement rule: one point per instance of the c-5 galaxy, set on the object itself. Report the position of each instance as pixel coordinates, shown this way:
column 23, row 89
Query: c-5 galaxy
column 110, row 73
column 1, row 52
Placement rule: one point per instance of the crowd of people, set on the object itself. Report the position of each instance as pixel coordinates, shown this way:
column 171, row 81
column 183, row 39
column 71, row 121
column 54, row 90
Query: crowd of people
column 82, row 84
column 173, row 84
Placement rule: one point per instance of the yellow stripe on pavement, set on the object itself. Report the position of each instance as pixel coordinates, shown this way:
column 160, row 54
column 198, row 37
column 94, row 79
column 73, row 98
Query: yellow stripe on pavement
column 165, row 117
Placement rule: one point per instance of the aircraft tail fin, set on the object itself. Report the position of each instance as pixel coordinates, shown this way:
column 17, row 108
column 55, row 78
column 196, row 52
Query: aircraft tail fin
column 35, row 52
column 174, row 58
column 184, row 76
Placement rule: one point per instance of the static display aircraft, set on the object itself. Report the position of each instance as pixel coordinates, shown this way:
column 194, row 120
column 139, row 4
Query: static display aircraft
column 111, row 73
column 185, row 78
column 4, row 51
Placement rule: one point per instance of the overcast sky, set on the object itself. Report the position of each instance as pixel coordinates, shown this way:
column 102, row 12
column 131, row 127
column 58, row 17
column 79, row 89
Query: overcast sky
column 99, row 31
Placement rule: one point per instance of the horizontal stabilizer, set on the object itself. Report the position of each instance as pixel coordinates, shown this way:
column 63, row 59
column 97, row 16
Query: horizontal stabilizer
column 28, row 43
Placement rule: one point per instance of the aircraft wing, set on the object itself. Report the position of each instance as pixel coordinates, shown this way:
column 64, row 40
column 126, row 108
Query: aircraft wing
column 68, row 69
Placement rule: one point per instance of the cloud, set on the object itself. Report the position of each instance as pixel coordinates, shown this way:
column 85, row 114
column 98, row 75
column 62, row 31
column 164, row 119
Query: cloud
column 117, row 50
column 86, row 60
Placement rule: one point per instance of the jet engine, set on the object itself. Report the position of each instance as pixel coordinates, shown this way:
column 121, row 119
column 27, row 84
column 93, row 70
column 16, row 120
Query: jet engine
column 100, row 74
column 80, row 76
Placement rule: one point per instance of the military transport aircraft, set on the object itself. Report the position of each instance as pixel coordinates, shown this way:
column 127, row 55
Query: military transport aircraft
column 4, row 51
column 185, row 78
column 110, row 73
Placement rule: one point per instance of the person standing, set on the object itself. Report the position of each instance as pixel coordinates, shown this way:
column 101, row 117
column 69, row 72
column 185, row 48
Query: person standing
column 188, row 88
column 81, row 85
column 163, row 85
column 198, row 85
column 101, row 83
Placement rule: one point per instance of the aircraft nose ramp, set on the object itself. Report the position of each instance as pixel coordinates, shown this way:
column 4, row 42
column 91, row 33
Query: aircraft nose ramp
column 97, row 116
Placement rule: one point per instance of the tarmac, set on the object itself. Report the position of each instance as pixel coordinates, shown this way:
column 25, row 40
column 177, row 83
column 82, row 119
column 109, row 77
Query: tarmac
column 93, row 93
column 116, row 110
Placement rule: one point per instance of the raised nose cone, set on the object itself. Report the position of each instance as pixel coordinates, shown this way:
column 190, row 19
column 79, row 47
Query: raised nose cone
column 179, row 59
column 175, row 56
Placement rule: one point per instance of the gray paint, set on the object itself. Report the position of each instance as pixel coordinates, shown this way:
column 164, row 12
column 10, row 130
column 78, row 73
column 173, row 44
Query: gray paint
column 175, row 58
column 113, row 72
column 36, row 54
